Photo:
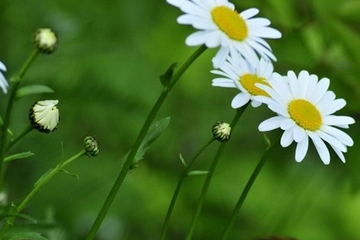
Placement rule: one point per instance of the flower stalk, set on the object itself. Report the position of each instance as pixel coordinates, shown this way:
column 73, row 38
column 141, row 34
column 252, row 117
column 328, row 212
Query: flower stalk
column 183, row 177
column 247, row 188
column 209, row 176
column 18, row 137
column 126, row 165
column 38, row 185
column 16, row 79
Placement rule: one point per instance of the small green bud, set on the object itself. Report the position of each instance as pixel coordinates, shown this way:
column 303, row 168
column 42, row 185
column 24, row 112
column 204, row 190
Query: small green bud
column 91, row 146
column 44, row 115
column 45, row 40
column 221, row 131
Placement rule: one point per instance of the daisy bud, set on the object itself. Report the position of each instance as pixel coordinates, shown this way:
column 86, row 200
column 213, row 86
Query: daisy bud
column 45, row 40
column 91, row 146
column 44, row 115
column 3, row 82
column 221, row 131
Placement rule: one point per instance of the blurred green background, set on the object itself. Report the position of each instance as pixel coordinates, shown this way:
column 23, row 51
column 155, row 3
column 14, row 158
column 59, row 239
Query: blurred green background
column 105, row 75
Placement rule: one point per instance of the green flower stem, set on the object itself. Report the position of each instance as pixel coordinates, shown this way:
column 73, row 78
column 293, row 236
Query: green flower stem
column 16, row 79
column 184, row 175
column 38, row 185
column 205, row 188
column 125, row 168
column 247, row 188
column 20, row 136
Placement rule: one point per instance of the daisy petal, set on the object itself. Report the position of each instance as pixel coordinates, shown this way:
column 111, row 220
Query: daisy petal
column 320, row 147
column 270, row 124
column 287, row 138
column 240, row 100
column 301, row 149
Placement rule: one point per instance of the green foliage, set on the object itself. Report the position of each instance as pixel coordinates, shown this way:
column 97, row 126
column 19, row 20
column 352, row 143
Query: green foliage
column 197, row 173
column 69, row 173
column 19, row 156
column 154, row 132
column 167, row 76
column 32, row 90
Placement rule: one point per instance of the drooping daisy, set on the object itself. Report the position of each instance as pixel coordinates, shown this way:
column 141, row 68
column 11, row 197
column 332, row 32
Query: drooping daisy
column 3, row 83
column 219, row 24
column 44, row 115
column 240, row 74
column 304, row 107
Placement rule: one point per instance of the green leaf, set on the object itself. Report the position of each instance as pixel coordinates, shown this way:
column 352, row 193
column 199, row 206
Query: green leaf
column 70, row 174
column 153, row 133
column 32, row 89
column 25, row 235
column 10, row 132
column 19, row 156
column 197, row 173
column 1, row 121
column 167, row 76
column 182, row 160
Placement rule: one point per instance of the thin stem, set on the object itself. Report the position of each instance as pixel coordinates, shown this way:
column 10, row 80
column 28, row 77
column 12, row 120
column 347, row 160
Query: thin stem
column 28, row 62
column 17, row 79
column 247, row 188
column 124, row 170
column 179, row 185
column 38, row 185
column 209, row 176
column 18, row 137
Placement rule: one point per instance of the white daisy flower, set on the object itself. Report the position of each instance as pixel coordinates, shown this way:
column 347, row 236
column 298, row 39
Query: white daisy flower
column 305, row 107
column 3, row 83
column 238, row 73
column 44, row 115
column 219, row 24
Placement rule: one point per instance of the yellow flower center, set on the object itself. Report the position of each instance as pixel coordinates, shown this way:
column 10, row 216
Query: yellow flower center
column 248, row 81
column 230, row 23
column 305, row 114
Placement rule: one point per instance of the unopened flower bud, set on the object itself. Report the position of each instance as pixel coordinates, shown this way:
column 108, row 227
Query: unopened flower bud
column 221, row 131
column 91, row 146
column 45, row 40
column 44, row 115
column 3, row 82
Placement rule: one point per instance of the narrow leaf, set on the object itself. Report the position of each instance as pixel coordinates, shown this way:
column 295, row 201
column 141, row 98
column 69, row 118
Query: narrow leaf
column 32, row 89
column 197, row 173
column 182, row 160
column 153, row 133
column 167, row 76
column 70, row 174
column 19, row 156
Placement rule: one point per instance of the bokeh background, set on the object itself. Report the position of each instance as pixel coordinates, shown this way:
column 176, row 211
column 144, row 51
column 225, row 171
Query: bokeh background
column 106, row 76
